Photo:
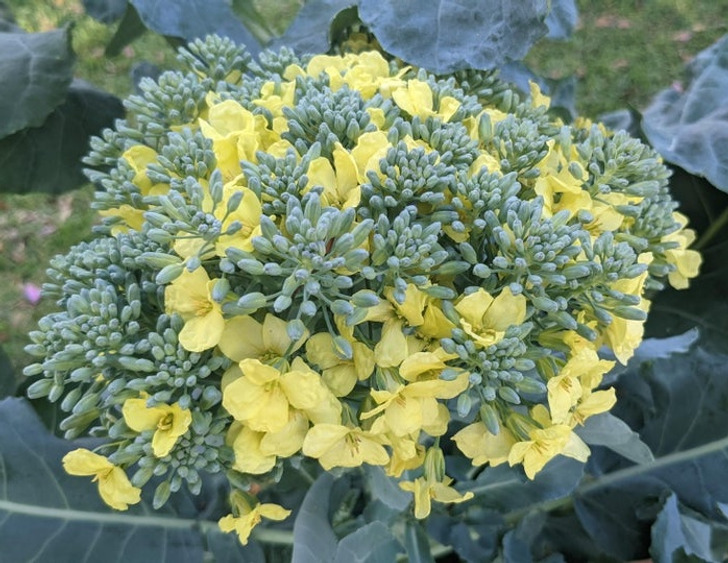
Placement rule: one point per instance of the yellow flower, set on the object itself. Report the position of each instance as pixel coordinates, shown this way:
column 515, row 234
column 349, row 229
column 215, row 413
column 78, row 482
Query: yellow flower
column 131, row 218
column 391, row 349
column 235, row 134
column 426, row 490
column 250, row 518
column 340, row 446
column 435, row 324
column 486, row 319
column 623, row 336
column 687, row 262
column 249, row 457
column 482, row 447
column 581, row 374
column 415, row 97
column 262, row 397
column 407, row 452
column 169, row 422
column 289, row 439
column 370, row 148
column 244, row 337
column 409, row 408
column 248, row 214
column 114, row 486
column 190, row 295
column 544, row 445
column 340, row 182
column 423, row 366
column 339, row 374
column 274, row 96
column 538, row 99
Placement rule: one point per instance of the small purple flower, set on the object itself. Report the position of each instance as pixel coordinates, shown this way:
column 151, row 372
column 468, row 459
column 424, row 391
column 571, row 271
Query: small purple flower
column 32, row 293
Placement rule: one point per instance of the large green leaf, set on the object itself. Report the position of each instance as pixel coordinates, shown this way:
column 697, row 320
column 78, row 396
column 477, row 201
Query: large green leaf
column 48, row 158
column 372, row 543
column 47, row 515
column 447, row 35
column 416, row 543
column 192, row 19
column 35, row 72
column 679, row 405
column 105, row 11
column 607, row 430
column 508, row 489
column 130, row 28
column 677, row 531
column 310, row 32
column 689, row 126
column 314, row 539
column 562, row 19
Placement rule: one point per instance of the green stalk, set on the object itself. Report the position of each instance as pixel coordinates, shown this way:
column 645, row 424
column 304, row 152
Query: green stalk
column 712, row 230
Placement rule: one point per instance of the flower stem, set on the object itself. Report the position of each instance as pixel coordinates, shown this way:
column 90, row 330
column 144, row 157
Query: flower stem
column 712, row 230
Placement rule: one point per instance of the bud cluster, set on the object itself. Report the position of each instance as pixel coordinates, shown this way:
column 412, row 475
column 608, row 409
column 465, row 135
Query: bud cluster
column 345, row 260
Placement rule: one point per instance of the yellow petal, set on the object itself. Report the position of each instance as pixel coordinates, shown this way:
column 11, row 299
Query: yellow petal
column 202, row 333
column 257, row 372
column 320, row 350
column 273, row 511
column 139, row 417
column 303, row 389
column 249, row 458
column 117, row 491
column 84, row 462
column 391, row 349
column 185, row 294
column 288, row 440
column 443, row 493
column 275, row 336
column 404, row 416
column 472, row 308
column 323, row 437
column 242, row 338
column 506, row 310
column 340, row 379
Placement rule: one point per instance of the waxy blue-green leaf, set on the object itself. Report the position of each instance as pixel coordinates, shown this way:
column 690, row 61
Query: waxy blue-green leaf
column 607, row 430
column 689, row 126
column 190, row 19
column 507, row 488
column 416, row 543
column 385, row 489
column 678, row 405
column 562, row 19
column 446, row 35
column 314, row 540
column 48, row 515
column 105, row 11
column 130, row 27
column 311, row 30
column 676, row 530
column 453, row 531
column 372, row 543
column 516, row 545
column 48, row 158
column 35, row 72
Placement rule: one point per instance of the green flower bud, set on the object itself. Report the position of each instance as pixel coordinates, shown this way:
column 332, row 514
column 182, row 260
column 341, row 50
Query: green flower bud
column 169, row 273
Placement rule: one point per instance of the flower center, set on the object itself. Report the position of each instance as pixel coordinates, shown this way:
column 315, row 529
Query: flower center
column 165, row 423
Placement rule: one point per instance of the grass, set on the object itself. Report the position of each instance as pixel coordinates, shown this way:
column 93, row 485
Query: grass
column 623, row 52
